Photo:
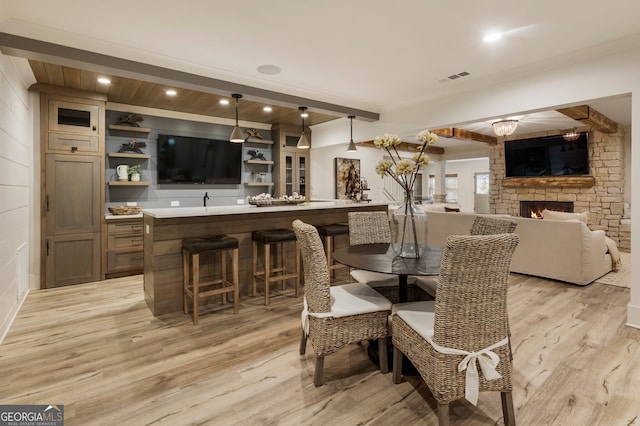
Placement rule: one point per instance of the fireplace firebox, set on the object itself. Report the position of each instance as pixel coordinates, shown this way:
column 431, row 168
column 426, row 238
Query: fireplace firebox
column 533, row 209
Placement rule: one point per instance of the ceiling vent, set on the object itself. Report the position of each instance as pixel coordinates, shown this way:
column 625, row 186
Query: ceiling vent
column 454, row 77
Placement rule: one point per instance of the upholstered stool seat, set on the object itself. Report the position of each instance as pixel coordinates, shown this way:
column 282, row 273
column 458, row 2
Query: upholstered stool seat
column 328, row 234
column 278, row 271
column 193, row 287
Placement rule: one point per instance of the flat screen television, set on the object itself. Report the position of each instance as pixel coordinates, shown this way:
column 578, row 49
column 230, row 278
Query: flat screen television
column 195, row 160
column 547, row 156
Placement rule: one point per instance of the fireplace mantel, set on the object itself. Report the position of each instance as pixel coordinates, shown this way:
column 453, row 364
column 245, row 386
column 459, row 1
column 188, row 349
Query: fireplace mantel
column 564, row 181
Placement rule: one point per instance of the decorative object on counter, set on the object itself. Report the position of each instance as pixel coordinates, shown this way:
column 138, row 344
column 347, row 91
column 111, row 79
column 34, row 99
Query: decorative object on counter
column 408, row 223
column 133, row 146
column 123, row 210
column 348, row 179
column 134, row 172
column 265, row 199
column 256, row 155
column 131, row 119
column 123, row 172
column 253, row 133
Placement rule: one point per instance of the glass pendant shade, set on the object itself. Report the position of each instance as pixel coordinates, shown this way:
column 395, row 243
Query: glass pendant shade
column 505, row 127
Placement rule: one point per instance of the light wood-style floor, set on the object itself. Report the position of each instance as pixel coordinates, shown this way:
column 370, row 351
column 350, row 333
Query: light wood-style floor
column 97, row 349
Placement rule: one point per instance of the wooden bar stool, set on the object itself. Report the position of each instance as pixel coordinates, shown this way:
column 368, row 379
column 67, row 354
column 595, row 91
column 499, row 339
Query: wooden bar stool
column 193, row 287
column 276, row 272
column 328, row 234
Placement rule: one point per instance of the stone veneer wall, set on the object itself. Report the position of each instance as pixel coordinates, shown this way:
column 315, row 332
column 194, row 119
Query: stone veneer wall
column 604, row 201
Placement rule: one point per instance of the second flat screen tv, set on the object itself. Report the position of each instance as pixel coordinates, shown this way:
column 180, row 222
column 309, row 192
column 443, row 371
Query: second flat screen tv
column 195, row 160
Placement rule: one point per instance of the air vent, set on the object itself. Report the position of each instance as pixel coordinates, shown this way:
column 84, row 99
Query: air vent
column 454, row 76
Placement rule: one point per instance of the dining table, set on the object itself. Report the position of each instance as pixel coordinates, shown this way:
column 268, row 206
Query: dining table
column 383, row 258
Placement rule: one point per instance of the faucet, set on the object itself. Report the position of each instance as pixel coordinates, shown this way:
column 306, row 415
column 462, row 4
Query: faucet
column 205, row 198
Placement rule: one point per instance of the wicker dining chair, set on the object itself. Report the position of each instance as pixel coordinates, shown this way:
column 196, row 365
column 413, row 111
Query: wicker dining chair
column 466, row 323
column 373, row 228
column 335, row 316
column 482, row 225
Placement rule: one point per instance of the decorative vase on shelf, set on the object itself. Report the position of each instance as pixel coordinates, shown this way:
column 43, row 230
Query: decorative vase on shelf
column 135, row 177
column 409, row 230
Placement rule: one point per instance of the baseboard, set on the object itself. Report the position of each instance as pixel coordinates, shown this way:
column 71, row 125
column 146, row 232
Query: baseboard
column 4, row 328
column 633, row 316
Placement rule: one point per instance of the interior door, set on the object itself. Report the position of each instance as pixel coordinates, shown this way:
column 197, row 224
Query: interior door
column 481, row 193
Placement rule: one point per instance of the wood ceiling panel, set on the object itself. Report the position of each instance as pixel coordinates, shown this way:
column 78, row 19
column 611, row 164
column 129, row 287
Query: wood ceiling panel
column 152, row 95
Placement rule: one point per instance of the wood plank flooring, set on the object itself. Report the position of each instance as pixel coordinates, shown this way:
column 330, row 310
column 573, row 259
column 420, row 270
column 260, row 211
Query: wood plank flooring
column 97, row 349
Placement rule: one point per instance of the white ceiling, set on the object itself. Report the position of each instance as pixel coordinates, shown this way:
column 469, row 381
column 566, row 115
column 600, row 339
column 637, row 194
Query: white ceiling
column 368, row 54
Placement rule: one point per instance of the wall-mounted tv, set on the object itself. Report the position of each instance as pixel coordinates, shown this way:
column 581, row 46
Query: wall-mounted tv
column 547, row 156
column 194, row 160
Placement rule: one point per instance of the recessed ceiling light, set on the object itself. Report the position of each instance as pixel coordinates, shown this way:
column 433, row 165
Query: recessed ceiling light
column 269, row 69
column 224, row 101
column 171, row 92
column 492, row 37
column 104, row 80
column 267, row 109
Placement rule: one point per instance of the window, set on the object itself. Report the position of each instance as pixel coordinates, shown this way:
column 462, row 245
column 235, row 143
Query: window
column 482, row 183
column 451, row 187
column 431, row 186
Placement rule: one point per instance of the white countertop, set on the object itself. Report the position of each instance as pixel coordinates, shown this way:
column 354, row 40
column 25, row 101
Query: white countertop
column 172, row 212
column 110, row 216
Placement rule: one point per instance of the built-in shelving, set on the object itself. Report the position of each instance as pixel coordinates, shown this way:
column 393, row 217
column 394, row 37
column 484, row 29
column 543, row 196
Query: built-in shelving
column 265, row 162
column 259, row 141
column 128, row 155
column 129, row 129
column 127, row 183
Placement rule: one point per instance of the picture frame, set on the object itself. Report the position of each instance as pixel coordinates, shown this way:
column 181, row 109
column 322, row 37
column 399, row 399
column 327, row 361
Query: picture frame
column 347, row 172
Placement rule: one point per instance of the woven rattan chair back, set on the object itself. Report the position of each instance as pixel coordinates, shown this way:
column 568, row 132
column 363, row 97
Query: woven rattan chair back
column 369, row 228
column 316, row 272
column 485, row 225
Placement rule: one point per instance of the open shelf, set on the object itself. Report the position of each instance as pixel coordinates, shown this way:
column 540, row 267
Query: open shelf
column 127, row 155
column 259, row 141
column 128, row 183
column 266, row 162
column 129, row 129
column 258, row 184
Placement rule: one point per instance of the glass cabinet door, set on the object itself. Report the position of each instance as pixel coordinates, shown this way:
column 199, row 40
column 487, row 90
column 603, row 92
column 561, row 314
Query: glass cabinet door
column 288, row 174
column 73, row 117
column 302, row 175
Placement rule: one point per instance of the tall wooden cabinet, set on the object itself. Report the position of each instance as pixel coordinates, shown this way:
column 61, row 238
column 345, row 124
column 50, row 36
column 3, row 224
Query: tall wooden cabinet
column 72, row 142
column 292, row 172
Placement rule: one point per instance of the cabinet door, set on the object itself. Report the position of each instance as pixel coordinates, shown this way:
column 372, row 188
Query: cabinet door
column 74, row 117
column 70, row 142
column 72, row 259
column 295, row 173
column 72, row 194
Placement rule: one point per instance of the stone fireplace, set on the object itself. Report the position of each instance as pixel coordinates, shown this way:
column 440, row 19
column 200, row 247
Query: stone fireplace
column 601, row 194
column 534, row 209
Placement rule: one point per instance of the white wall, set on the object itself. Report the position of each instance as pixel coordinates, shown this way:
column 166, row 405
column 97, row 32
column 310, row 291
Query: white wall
column 16, row 188
column 465, row 169
column 611, row 74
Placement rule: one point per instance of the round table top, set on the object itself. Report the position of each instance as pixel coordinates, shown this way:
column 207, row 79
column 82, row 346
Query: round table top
column 382, row 258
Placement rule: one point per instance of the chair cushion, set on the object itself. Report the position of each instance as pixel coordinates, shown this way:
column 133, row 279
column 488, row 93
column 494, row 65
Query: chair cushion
column 378, row 279
column 217, row 242
column 428, row 285
column 419, row 316
column 270, row 236
column 333, row 229
column 355, row 299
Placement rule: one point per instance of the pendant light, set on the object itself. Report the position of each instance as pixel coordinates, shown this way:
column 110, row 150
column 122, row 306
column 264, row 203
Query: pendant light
column 236, row 135
column 352, row 146
column 303, row 142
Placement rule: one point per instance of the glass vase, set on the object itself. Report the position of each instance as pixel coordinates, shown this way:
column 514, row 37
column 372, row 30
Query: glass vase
column 409, row 230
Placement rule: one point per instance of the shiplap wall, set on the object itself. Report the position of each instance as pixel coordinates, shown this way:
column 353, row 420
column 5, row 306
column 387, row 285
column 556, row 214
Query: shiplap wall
column 16, row 164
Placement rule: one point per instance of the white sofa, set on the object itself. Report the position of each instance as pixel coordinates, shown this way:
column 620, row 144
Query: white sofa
column 561, row 250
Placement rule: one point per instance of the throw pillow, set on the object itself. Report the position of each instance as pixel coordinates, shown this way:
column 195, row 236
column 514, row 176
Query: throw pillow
column 451, row 209
column 554, row 215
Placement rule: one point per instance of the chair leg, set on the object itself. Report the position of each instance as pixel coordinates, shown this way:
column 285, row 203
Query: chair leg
column 236, row 281
column 303, row 343
column 443, row 414
column 383, row 359
column 185, row 280
column 254, row 284
column 223, row 273
column 196, row 286
column 318, row 378
column 298, row 267
column 507, row 408
column 267, row 272
column 397, row 365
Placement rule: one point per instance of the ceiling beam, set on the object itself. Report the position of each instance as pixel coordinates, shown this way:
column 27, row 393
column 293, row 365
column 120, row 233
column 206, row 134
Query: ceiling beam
column 452, row 132
column 590, row 117
column 406, row 146
column 23, row 47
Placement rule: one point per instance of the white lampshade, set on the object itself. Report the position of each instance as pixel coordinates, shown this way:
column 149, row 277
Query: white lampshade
column 236, row 135
column 303, row 142
column 504, row 127
column 352, row 145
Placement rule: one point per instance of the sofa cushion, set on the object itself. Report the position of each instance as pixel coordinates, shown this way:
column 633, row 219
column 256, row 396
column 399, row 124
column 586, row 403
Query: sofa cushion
column 554, row 215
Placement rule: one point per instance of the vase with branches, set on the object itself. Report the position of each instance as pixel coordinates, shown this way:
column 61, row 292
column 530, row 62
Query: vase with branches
column 408, row 223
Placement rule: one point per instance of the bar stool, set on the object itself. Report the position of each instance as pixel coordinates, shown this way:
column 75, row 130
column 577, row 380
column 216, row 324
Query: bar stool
column 328, row 234
column 278, row 272
column 193, row 287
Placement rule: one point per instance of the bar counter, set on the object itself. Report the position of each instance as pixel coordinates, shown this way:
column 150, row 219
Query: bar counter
column 164, row 230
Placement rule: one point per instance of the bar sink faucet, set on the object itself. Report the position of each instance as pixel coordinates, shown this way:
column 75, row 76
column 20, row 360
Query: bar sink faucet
column 205, row 198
